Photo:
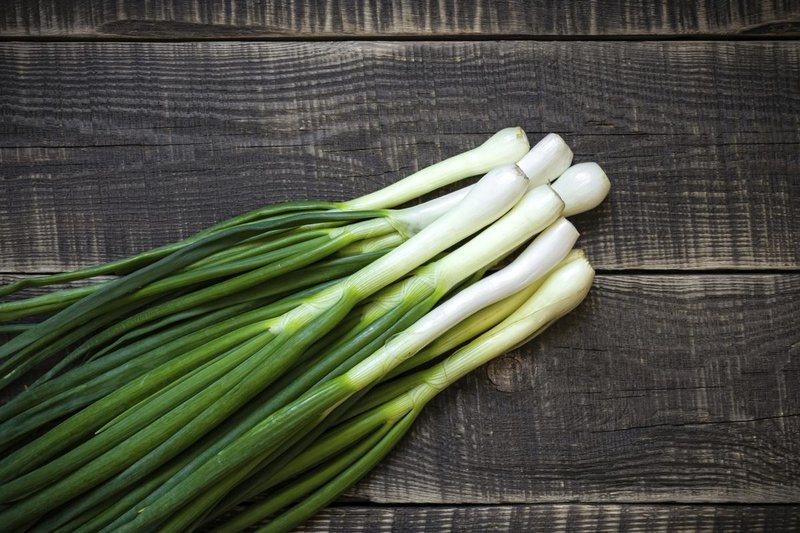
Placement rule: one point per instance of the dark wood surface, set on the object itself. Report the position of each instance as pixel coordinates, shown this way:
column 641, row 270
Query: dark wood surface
column 547, row 518
column 668, row 401
column 657, row 389
column 701, row 140
column 337, row 19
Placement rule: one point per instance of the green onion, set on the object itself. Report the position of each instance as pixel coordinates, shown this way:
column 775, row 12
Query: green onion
column 491, row 197
column 352, row 347
column 287, row 349
column 117, row 298
column 289, row 422
column 346, row 453
column 396, row 308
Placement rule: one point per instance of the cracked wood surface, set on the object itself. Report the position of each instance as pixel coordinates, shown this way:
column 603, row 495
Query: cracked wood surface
column 318, row 19
column 112, row 148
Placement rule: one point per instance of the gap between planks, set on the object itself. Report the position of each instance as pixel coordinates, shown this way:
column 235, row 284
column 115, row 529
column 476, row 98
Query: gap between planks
column 409, row 38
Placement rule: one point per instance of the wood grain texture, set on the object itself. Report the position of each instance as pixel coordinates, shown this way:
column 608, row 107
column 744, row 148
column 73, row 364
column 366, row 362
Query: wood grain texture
column 111, row 148
column 556, row 518
column 207, row 19
column 656, row 389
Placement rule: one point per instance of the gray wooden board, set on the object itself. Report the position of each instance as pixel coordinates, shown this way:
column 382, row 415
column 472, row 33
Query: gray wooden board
column 663, row 388
column 658, row 388
column 207, row 19
column 111, row 148
column 556, row 518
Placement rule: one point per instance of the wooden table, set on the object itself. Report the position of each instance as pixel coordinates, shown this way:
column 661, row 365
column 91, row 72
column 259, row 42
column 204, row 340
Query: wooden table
column 668, row 400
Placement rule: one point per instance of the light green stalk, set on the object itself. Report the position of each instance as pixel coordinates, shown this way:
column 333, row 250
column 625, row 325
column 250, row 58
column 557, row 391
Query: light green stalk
column 542, row 255
column 266, row 438
column 558, row 294
column 504, row 147
column 285, row 339
column 402, row 303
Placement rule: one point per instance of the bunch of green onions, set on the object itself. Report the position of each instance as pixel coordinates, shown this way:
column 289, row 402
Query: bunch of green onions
column 281, row 354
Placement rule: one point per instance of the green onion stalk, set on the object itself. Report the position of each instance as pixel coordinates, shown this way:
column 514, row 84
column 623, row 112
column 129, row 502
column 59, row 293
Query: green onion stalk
column 113, row 366
column 465, row 331
column 397, row 308
column 534, row 211
column 270, row 241
column 253, row 449
column 194, row 392
column 389, row 312
column 347, row 452
column 57, row 397
column 211, row 367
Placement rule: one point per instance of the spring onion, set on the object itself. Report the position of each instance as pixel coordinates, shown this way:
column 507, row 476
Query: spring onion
column 346, row 453
column 244, row 372
column 112, row 300
column 390, row 311
column 548, row 158
column 284, row 351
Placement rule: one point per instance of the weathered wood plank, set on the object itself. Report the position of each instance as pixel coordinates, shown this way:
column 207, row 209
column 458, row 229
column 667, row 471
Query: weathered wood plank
column 658, row 388
column 554, row 518
column 111, row 148
column 181, row 19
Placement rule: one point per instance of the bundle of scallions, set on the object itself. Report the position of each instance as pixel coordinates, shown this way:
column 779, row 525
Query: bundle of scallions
column 273, row 359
